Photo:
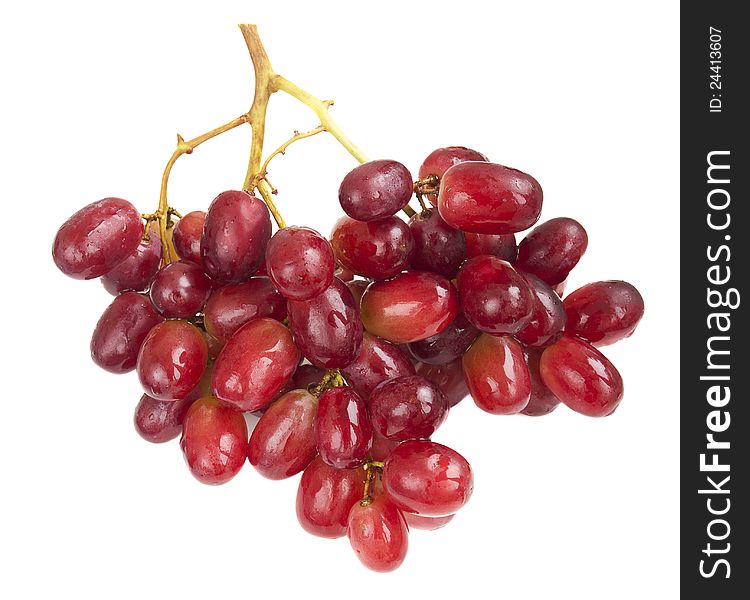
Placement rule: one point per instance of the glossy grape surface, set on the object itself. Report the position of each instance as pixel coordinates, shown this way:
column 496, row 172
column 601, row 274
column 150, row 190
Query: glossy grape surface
column 214, row 441
column 357, row 287
column 542, row 401
column 496, row 375
column 604, row 312
column 446, row 346
column 378, row 360
column 547, row 319
column 581, row 377
column 300, row 262
column 503, row 246
column 376, row 249
column 328, row 328
column 440, row 160
column 231, row 306
column 375, row 189
column 437, row 246
column 426, row 523
column 180, row 289
column 494, row 296
column 378, row 534
column 343, row 429
column 488, row 198
column 450, row 379
column 186, row 236
column 427, row 478
column 235, row 235
column 157, row 421
column 121, row 330
column 97, row 238
column 552, row 249
column 411, row 307
column 407, row 407
column 254, row 365
column 283, row 441
column 325, row 497
column 136, row 271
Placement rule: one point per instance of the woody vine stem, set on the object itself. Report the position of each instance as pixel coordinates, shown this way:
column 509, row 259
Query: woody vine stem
column 267, row 83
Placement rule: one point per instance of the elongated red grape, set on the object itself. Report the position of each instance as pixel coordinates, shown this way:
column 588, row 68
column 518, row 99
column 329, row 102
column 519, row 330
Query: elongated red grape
column 440, row 160
column 437, row 246
column 231, row 306
column 254, row 365
column 494, row 296
column 137, row 270
column 283, row 442
column 214, row 441
column 343, row 429
column 325, row 497
column 172, row 360
column 180, row 289
column 235, row 235
column 157, row 421
column 581, row 377
column 427, row 478
column 446, row 346
column 488, row 198
column 407, row 407
column 604, row 312
column 375, row 189
column 121, row 330
column 426, row 523
column 496, row 375
column 327, row 329
column 300, row 262
column 186, row 236
column 449, row 378
column 307, row 375
column 376, row 249
column 378, row 534
column 411, row 307
column 357, row 287
column 501, row 245
column 378, row 360
column 97, row 238
column 542, row 401
column 552, row 249
column 547, row 319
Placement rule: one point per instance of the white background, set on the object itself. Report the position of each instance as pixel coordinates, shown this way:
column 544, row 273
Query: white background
column 583, row 95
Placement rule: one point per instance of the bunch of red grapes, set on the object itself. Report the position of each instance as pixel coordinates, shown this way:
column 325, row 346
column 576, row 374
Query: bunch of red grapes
column 350, row 352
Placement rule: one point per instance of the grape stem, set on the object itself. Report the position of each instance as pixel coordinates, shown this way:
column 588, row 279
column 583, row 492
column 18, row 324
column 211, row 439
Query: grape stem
column 331, row 379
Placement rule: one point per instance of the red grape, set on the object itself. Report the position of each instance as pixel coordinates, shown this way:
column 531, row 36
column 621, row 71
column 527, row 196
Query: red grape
column 254, row 365
column 376, row 249
column 449, row 378
column 214, row 441
column 407, row 407
column 327, row 329
column 343, row 429
column 378, row 534
column 502, row 245
column 410, row 307
column 186, row 236
column 121, row 330
column 581, row 377
column 378, row 360
column 437, row 246
column 548, row 317
column 427, row 478
column 235, row 235
column 375, row 189
column 552, row 249
column 604, row 312
column 172, row 360
column 283, row 442
column 446, row 346
column 488, row 198
column 440, row 160
column 542, row 401
column 97, row 238
column 496, row 374
column 157, row 421
column 300, row 262
column 426, row 523
column 307, row 375
column 231, row 306
column 495, row 297
column 325, row 497
column 180, row 289
column 136, row 271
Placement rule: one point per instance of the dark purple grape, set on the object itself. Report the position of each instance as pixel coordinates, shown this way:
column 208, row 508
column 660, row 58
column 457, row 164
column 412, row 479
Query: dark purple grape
column 449, row 378
column 552, row 249
column 137, row 270
column 375, row 189
column 378, row 360
column 157, row 421
column 446, row 346
column 437, row 246
column 180, row 289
